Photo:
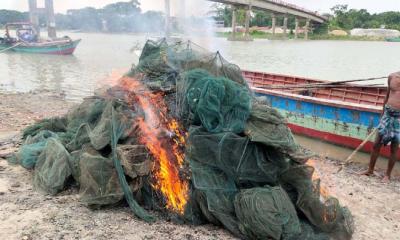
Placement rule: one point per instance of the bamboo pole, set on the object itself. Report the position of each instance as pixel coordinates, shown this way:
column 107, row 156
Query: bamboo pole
column 320, row 84
column 351, row 156
column 14, row 46
column 332, row 86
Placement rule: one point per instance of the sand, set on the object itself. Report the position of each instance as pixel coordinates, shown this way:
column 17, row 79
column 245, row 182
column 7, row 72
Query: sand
column 27, row 214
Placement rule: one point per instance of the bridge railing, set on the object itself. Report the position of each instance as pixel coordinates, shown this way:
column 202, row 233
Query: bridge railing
column 295, row 7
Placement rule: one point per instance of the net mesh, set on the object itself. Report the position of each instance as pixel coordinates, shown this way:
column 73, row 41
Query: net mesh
column 243, row 166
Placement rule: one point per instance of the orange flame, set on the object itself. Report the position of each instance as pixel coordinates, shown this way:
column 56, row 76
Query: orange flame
column 329, row 214
column 112, row 78
column 163, row 138
column 323, row 190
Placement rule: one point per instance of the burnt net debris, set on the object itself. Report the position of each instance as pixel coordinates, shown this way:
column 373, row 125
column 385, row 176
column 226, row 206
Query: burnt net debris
column 182, row 134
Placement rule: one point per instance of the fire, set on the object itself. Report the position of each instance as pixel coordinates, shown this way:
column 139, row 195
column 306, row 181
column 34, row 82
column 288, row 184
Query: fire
column 113, row 78
column 163, row 138
column 323, row 190
column 329, row 214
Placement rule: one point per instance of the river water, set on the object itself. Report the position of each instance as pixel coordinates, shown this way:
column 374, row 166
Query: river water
column 101, row 55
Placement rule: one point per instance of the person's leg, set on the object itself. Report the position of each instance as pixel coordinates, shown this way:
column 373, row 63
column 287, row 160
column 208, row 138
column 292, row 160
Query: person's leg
column 374, row 155
column 392, row 161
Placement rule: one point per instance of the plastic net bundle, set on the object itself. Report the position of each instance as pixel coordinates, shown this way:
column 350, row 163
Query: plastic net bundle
column 242, row 166
column 218, row 104
column 267, row 212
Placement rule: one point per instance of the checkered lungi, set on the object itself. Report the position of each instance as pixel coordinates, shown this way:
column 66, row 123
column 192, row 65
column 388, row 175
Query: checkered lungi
column 389, row 127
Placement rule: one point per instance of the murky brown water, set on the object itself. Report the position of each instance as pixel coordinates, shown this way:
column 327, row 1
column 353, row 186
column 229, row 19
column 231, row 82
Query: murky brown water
column 78, row 75
column 99, row 55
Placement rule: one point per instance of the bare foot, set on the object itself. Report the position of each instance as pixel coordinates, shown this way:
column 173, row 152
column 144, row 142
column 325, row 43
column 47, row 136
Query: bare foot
column 386, row 179
column 366, row 173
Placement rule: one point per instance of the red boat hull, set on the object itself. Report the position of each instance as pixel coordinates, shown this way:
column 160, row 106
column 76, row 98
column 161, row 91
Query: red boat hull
column 342, row 116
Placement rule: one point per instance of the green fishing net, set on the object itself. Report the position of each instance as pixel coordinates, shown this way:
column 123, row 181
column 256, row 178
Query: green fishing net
column 244, row 168
column 266, row 212
column 52, row 168
column 98, row 189
column 216, row 103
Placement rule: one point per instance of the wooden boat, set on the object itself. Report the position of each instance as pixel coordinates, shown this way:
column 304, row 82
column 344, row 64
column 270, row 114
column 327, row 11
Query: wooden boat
column 395, row 39
column 59, row 47
column 344, row 115
column 31, row 44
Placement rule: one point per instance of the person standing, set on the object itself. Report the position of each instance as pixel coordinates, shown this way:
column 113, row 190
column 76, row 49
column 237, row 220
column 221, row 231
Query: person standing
column 389, row 128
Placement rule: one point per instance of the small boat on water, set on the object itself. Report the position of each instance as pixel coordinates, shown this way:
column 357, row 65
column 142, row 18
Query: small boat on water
column 394, row 39
column 344, row 115
column 27, row 42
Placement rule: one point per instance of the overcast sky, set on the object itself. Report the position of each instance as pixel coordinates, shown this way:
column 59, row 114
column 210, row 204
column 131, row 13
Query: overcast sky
column 201, row 6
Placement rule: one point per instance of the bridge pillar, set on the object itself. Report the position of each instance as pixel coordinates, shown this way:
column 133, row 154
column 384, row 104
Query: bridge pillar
column 296, row 29
column 285, row 25
column 51, row 21
column 33, row 15
column 273, row 24
column 234, row 12
column 306, row 29
column 247, row 23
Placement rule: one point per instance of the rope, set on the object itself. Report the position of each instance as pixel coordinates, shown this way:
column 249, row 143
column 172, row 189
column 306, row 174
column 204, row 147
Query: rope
column 116, row 131
column 320, row 84
column 340, row 86
column 14, row 46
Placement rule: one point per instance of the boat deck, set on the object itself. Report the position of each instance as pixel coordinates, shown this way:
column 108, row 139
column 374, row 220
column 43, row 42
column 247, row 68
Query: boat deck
column 351, row 93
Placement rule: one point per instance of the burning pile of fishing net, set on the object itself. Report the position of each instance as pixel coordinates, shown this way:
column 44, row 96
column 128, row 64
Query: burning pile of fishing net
column 182, row 134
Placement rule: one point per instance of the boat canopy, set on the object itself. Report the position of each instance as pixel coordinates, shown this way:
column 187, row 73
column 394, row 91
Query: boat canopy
column 20, row 26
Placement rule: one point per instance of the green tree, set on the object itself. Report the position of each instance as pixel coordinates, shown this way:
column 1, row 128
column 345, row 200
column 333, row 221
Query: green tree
column 121, row 16
column 152, row 21
column 123, row 8
column 347, row 19
column 341, row 19
column 8, row 16
column 261, row 19
column 87, row 19
column 222, row 12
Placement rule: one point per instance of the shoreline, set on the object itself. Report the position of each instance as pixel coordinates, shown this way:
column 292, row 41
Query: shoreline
column 256, row 35
column 27, row 214
column 312, row 37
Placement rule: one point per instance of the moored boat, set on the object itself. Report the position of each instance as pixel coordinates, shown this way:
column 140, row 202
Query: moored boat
column 59, row 47
column 27, row 41
column 343, row 115
column 394, row 39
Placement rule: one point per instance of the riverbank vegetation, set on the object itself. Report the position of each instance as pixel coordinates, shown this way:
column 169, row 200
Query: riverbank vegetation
column 347, row 19
column 290, row 35
column 116, row 17
column 128, row 17
column 342, row 18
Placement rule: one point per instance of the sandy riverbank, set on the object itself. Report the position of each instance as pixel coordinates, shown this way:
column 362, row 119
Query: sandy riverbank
column 26, row 214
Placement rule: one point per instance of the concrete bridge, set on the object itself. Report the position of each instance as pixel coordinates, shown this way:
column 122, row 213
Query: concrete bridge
column 48, row 11
column 277, row 7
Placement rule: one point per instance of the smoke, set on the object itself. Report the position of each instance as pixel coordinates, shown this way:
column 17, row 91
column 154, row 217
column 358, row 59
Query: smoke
column 193, row 21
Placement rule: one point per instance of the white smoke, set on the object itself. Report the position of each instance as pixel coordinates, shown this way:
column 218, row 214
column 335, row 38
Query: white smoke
column 194, row 21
